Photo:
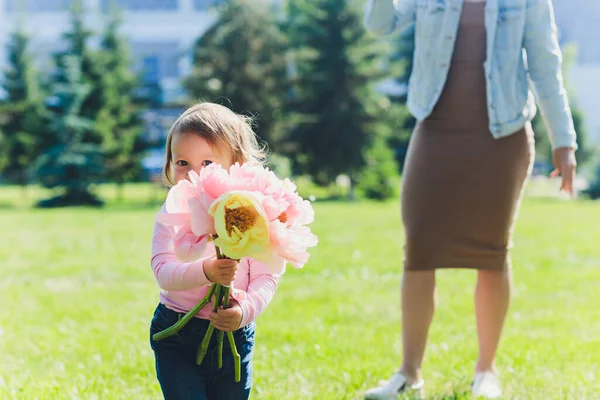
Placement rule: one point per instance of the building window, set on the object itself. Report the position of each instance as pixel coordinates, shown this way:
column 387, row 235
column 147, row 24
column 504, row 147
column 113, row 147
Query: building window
column 141, row 5
column 150, row 69
column 156, row 60
column 205, row 4
column 37, row 5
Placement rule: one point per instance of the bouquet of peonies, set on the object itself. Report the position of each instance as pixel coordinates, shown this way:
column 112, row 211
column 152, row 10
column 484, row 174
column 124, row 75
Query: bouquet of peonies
column 247, row 212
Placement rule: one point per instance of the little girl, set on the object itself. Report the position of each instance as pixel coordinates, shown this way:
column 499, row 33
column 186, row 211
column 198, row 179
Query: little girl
column 206, row 133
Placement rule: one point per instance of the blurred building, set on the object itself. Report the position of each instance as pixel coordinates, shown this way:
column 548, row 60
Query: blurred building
column 161, row 32
column 578, row 22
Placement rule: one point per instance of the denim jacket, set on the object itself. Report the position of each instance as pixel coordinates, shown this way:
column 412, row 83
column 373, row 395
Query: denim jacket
column 522, row 48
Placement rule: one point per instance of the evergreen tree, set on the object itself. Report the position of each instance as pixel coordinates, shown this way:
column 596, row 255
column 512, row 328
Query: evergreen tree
column 23, row 120
column 240, row 61
column 118, row 121
column 337, row 109
column 77, row 41
column 71, row 164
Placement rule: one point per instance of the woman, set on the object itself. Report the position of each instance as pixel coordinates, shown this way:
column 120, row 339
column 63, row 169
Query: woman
column 470, row 155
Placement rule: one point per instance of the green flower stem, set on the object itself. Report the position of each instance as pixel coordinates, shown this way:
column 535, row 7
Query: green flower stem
column 236, row 357
column 203, row 349
column 237, row 363
column 220, row 349
column 217, row 301
column 175, row 328
column 220, row 255
column 226, row 291
column 222, row 294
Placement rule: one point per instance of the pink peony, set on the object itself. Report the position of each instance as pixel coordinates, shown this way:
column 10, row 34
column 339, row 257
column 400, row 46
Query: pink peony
column 213, row 181
column 290, row 243
column 186, row 245
column 190, row 201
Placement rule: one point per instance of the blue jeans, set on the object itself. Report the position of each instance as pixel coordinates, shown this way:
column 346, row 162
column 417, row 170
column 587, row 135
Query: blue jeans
column 181, row 378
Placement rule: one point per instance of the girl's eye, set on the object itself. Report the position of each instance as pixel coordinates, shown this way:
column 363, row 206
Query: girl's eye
column 182, row 163
column 206, row 163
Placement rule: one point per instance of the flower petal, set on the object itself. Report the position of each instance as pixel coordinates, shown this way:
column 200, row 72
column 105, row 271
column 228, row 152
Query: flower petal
column 202, row 223
column 173, row 219
column 177, row 198
column 190, row 247
column 251, row 237
column 291, row 243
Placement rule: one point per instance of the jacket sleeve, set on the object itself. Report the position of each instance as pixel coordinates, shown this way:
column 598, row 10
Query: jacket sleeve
column 544, row 61
column 386, row 16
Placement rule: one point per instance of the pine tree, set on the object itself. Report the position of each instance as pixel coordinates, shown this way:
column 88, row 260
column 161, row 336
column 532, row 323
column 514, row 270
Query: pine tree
column 240, row 61
column 23, row 120
column 77, row 41
column 71, row 164
column 338, row 111
column 118, row 121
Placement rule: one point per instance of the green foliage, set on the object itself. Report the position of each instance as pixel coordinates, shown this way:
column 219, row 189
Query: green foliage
column 240, row 62
column 23, row 116
column 281, row 165
column 335, row 107
column 118, row 121
column 379, row 179
column 593, row 191
column 72, row 163
column 77, row 39
column 403, row 56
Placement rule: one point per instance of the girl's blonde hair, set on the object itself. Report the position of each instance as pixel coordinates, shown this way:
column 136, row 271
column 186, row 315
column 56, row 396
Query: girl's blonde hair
column 222, row 128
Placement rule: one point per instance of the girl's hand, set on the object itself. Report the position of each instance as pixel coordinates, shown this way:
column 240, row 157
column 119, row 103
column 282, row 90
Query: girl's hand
column 564, row 165
column 227, row 320
column 220, row 271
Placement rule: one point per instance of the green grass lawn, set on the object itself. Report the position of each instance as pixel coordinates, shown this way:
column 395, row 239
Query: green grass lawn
column 77, row 295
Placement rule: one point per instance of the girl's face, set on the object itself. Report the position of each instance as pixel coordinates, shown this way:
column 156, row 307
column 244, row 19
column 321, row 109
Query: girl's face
column 191, row 152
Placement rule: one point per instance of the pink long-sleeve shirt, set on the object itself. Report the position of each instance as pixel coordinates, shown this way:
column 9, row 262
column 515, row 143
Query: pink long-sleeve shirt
column 183, row 284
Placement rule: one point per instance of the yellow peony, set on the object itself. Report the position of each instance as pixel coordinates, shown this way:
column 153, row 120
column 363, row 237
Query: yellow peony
column 241, row 224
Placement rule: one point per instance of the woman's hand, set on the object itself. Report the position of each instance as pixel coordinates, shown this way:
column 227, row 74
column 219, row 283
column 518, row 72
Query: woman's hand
column 564, row 165
column 227, row 319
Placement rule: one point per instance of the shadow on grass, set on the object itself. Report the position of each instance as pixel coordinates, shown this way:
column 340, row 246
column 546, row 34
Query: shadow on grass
column 455, row 395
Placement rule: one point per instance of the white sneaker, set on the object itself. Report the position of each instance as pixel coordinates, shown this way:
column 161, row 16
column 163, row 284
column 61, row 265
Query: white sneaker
column 487, row 385
column 395, row 386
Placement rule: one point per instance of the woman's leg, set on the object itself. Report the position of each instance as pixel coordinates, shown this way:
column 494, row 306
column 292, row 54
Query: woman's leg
column 492, row 297
column 418, row 306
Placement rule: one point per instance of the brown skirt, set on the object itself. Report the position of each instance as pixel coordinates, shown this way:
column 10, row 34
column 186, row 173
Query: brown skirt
column 460, row 197
column 462, row 188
